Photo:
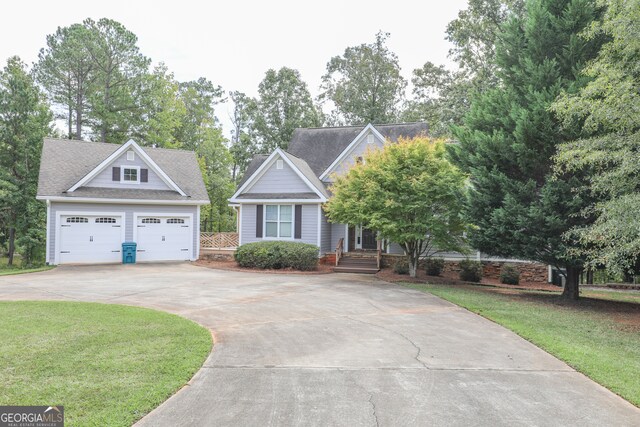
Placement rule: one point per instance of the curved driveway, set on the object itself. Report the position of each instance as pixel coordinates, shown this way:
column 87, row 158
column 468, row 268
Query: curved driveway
column 338, row 349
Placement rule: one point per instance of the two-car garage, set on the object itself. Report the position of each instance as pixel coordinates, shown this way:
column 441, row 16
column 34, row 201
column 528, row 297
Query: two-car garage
column 98, row 237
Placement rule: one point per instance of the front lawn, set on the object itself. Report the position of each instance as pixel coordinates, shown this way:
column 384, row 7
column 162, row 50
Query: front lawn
column 598, row 335
column 106, row 364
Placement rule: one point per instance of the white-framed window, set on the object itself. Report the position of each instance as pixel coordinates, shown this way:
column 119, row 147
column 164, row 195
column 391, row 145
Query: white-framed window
column 279, row 164
column 278, row 221
column 130, row 174
column 131, row 156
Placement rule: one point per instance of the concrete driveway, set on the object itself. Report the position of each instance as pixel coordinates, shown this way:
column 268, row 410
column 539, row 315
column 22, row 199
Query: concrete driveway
column 338, row 350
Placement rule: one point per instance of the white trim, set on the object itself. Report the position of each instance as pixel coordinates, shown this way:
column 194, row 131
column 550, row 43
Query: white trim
column 319, row 229
column 122, row 181
column 197, row 233
column 267, row 164
column 109, row 160
column 136, row 215
column 47, row 240
column 275, row 201
column 123, row 201
column 346, row 238
column 59, row 214
column 352, row 144
column 239, row 210
column 293, row 223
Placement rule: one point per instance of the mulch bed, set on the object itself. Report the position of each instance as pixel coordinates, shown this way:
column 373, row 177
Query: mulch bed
column 233, row 266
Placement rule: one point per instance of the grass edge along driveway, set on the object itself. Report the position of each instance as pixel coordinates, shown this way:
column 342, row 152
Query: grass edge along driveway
column 583, row 334
column 107, row 364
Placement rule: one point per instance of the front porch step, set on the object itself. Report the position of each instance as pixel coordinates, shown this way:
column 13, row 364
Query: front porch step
column 358, row 261
column 356, row 269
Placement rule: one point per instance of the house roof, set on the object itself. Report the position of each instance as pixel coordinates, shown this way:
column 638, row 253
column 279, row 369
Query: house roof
column 319, row 147
column 65, row 162
column 260, row 196
column 308, row 173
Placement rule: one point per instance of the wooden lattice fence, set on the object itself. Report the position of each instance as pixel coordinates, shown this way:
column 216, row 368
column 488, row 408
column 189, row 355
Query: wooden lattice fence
column 218, row 240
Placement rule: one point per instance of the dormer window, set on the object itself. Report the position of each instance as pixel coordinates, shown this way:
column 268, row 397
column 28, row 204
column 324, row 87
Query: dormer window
column 131, row 174
column 131, row 156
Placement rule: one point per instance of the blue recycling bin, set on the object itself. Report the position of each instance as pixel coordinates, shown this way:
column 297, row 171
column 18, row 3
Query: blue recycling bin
column 129, row 252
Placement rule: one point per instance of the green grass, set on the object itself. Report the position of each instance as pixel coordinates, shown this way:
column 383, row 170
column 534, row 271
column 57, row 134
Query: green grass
column 598, row 335
column 17, row 267
column 107, row 364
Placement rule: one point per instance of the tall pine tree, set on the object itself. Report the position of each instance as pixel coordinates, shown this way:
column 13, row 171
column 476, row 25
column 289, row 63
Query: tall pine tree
column 510, row 137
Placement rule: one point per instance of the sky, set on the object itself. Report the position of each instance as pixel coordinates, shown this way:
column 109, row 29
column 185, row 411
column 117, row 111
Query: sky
column 233, row 43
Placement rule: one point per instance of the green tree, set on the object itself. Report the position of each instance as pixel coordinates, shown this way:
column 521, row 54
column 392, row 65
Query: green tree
column 441, row 97
column 243, row 145
column 510, row 137
column 120, row 69
column 410, row 193
column 364, row 84
column 66, row 72
column 163, row 111
column 24, row 121
column 199, row 123
column 284, row 104
column 607, row 110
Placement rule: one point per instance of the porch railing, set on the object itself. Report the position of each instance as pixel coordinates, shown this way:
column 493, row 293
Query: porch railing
column 218, row 240
column 379, row 254
column 339, row 250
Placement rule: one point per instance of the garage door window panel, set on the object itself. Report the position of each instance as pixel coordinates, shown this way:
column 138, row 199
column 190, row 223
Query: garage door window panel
column 77, row 219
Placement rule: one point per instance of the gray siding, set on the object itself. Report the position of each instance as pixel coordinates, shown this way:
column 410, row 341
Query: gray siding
column 338, row 232
column 395, row 248
column 358, row 150
column 128, row 218
column 325, row 239
column 103, row 179
column 309, row 224
column 274, row 180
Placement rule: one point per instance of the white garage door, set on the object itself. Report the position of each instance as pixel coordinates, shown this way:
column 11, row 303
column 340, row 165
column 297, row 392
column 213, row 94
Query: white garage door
column 164, row 238
column 90, row 239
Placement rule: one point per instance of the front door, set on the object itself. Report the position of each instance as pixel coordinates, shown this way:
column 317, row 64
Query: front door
column 369, row 239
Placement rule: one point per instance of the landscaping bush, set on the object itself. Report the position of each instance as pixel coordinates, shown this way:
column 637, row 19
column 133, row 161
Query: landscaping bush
column 401, row 266
column 470, row 271
column 509, row 274
column 276, row 255
column 434, row 266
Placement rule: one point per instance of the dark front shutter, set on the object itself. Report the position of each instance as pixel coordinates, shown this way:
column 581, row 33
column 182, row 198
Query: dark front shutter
column 144, row 175
column 115, row 173
column 259, row 221
column 297, row 233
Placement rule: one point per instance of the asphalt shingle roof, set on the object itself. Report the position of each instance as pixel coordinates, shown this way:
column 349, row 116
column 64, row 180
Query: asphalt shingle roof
column 65, row 162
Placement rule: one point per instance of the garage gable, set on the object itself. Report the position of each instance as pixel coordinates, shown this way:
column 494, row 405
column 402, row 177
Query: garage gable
column 128, row 167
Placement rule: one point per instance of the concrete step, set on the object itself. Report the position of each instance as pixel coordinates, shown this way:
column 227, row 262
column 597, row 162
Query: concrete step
column 354, row 269
column 349, row 261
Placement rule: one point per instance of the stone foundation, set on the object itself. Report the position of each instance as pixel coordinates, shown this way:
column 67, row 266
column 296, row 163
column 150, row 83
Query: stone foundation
column 531, row 272
column 216, row 254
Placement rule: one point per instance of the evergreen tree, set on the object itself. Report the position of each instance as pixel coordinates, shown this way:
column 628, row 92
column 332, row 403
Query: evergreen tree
column 24, row 122
column 510, row 137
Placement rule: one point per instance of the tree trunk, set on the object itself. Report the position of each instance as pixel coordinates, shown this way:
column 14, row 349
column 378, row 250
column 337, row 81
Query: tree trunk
column 572, row 286
column 79, row 119
column 70, row 121
column 590, row 277
column 12, row 244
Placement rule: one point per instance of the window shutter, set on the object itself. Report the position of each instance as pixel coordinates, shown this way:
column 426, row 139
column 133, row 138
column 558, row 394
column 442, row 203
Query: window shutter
column 144, row 175
column 115, row 173
column 259, row 221
column 297, row 234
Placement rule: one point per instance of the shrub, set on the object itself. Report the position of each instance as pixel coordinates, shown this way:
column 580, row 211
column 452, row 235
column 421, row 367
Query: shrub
column 434, row 266
column 509, row 274
column 401, row 266
column 277, row 254
column 470, row 271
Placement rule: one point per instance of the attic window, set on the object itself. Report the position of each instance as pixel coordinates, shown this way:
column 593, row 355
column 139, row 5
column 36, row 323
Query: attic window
column 279, row 164
column 130, row 174
column 370, row 138
column 131, row 156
